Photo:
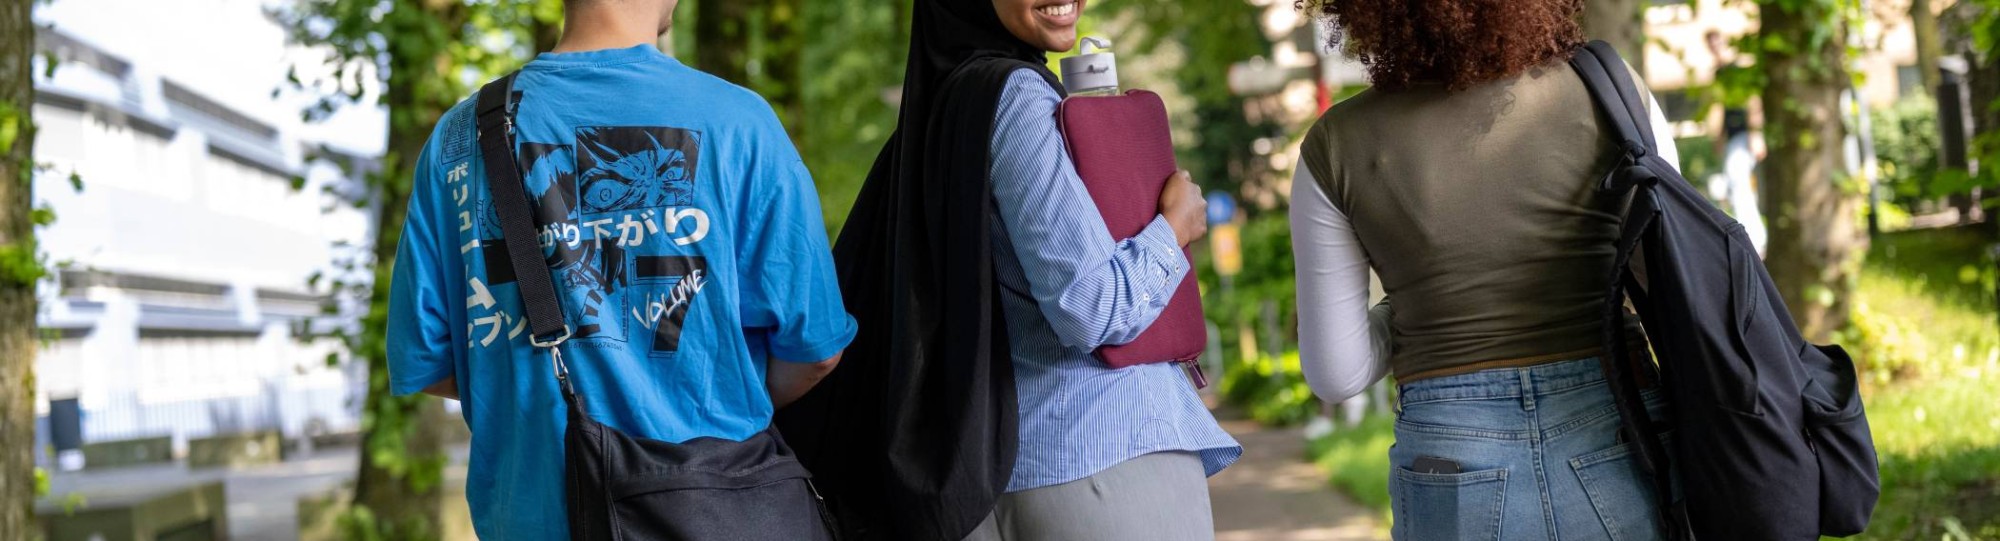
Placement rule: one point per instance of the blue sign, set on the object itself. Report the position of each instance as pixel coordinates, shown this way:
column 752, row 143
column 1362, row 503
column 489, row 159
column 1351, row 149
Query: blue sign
column 1221, row 207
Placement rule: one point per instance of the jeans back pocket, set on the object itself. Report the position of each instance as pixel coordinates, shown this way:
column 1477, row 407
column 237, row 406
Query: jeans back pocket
column 1618, row 491
column 1431, row 506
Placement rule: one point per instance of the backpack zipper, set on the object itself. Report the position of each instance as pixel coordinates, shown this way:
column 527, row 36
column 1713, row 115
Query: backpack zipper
column 825, row 514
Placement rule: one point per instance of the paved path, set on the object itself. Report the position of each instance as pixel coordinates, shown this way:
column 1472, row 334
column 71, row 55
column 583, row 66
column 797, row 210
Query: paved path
column 1274, row 494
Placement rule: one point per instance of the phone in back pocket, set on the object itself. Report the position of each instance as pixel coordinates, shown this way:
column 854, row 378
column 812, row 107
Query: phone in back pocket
column 1431, row 464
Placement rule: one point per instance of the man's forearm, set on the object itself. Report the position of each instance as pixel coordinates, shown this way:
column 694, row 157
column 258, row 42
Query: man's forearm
column 444, row 388
column 787, row 381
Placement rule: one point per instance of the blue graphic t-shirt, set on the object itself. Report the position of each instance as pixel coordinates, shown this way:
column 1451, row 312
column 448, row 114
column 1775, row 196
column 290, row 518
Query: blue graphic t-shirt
column 686, row 242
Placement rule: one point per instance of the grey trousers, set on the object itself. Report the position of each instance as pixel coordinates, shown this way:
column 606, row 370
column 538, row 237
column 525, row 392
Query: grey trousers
column 1155, row 497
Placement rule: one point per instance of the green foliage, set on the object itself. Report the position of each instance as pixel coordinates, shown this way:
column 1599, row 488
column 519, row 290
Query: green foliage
column 1356, row 460
column 1272, row 389
column 1899, row 334
column 74, row 501
column 854, row 58
column 1940, row 458
column 364, row 524
column 1949, row 266
column 1818, row 23
column 21, row 263
column 1925, row 309
column 1699, row 159
column 1268, row 274
column 1907, row 139
column 1734, row 86
column 12, row 124
column 42, row 216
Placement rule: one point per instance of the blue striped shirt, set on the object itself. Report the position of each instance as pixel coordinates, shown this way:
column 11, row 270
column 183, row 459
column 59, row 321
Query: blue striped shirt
column 1068, row 287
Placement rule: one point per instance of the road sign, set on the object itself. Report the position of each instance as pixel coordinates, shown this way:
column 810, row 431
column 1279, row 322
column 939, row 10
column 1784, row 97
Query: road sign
column 1221, row 207
column 1227, row 248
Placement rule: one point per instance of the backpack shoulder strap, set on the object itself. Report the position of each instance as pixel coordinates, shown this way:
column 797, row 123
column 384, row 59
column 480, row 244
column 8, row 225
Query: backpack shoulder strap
column 1628, row 89
column 517, row 222
column 1614, row 94
column 1617, row 97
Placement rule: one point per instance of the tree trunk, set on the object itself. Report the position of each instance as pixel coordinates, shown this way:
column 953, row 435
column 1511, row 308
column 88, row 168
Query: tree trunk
column 1930, row 47
column 785, row 87
column 17, row 293
column 722, row 39
column 1620, row 23
column 403, row 452
column 1815, row 245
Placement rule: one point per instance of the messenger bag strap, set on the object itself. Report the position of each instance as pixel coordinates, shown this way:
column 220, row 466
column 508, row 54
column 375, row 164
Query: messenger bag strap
column 546, row 328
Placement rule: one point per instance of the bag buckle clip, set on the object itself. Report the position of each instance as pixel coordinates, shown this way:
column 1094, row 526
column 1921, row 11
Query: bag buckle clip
column 537, row 341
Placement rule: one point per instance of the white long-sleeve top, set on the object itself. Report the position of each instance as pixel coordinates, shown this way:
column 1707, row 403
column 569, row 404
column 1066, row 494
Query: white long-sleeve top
column 1344, row 345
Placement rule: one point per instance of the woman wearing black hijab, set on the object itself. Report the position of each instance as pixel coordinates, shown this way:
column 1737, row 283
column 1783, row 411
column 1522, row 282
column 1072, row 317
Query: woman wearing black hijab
column 969, row 407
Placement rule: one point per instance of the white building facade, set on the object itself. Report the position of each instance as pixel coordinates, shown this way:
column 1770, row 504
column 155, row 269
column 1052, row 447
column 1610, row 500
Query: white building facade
column 182, row 304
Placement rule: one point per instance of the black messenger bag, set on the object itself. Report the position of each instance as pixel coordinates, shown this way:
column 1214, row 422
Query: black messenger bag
column 1770, row 438
column 618, row 487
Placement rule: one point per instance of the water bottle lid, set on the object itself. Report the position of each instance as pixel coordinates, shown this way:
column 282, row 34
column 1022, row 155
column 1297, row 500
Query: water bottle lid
column 1094, row 69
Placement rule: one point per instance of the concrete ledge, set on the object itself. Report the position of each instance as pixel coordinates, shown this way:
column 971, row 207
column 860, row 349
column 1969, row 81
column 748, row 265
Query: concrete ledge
column 336, row 439
column 190, row 512
column 236, row 450
column 112, row 454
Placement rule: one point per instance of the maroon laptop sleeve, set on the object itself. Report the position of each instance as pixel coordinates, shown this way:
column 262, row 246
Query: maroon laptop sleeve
column 1124, row 150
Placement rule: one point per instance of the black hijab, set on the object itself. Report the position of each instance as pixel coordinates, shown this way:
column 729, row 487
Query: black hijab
column 913, row 437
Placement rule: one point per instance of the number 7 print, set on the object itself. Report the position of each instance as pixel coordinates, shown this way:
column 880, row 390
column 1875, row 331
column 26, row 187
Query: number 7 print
column 665, row 314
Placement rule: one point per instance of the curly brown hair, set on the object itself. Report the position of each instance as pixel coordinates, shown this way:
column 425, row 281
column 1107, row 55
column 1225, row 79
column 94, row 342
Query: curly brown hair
column 1459, row 43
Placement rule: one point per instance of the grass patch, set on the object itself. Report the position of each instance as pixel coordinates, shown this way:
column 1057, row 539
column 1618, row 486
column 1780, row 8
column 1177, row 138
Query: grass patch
column 1939, row 447
column 1903, row 333
column 1925, row 335
column 1950, row 264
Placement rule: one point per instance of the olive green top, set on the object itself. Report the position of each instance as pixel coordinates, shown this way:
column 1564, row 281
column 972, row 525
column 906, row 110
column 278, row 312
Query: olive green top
column 1478, row 210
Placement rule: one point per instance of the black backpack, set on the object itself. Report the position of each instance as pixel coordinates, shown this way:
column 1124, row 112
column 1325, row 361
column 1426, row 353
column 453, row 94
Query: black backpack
column 1770, row 441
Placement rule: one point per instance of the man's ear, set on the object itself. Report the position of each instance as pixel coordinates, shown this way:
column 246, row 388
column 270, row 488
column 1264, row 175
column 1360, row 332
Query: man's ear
column 667, row 15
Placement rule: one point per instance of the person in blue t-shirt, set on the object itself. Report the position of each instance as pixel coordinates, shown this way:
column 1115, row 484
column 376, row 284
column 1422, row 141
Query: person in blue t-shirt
column 685, row 238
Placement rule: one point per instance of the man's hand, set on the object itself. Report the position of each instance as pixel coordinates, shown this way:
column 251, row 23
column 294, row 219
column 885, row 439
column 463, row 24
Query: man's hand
column 1181, row 203
column 787, row 381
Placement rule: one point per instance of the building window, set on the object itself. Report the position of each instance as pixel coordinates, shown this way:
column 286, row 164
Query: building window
column 1909, row 79
column 195, row 367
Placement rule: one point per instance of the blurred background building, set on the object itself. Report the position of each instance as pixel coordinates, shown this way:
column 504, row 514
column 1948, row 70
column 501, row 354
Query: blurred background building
column 183, row 304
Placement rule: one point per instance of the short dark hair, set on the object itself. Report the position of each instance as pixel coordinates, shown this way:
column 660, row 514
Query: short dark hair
column 1459, row 43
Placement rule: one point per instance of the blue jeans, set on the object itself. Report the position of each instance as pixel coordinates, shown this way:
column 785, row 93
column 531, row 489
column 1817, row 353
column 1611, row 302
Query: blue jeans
column 1539, row 458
